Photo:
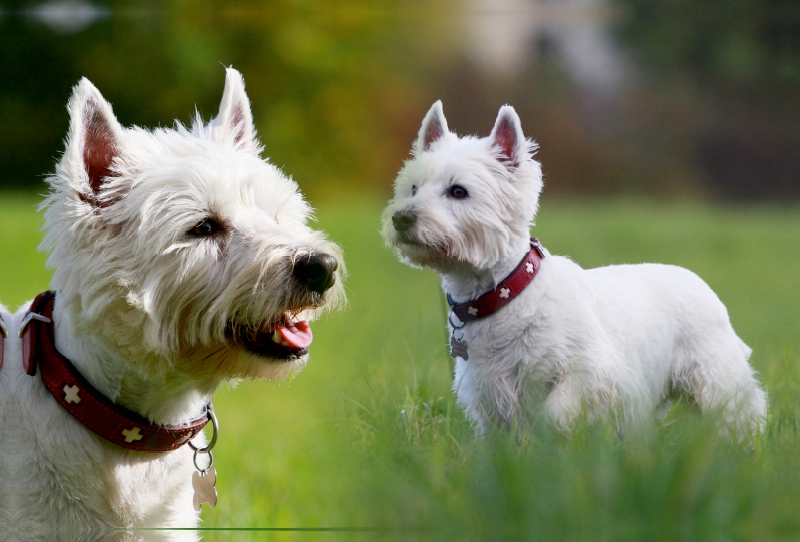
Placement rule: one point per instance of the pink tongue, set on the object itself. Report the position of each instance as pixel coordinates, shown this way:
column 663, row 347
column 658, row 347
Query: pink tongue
column 296, row 334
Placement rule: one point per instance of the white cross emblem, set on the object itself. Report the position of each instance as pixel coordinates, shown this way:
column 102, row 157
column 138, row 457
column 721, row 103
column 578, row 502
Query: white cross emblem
column 505, row 292
column 529, row 267
column 472, row 310
column 132, row 434
column 71, row 394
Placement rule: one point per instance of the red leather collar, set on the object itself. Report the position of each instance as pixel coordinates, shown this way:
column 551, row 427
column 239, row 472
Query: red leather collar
column 113, row 422
column 3, row 335
column 508, row 289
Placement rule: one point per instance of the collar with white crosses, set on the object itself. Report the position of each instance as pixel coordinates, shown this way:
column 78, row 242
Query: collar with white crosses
column 70, row 388
column 508, row 289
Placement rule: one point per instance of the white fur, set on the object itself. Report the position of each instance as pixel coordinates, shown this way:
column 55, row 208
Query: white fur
column 614, row 341
column 149, row 314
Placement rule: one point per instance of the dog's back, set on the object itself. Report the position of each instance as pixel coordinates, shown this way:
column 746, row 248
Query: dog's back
column 672, row 321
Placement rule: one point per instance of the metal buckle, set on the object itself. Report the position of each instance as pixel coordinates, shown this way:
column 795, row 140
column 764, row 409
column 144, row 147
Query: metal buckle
column 450, row 320
column 537, row 246
column 207, row 448
column 32, row 316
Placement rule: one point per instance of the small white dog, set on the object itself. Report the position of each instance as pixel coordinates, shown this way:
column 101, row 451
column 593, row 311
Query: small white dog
column 181, row 259
column 615, row 340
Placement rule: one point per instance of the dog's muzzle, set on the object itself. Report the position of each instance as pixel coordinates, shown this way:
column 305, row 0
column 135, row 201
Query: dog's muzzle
column 316, row 272
column 403, row 220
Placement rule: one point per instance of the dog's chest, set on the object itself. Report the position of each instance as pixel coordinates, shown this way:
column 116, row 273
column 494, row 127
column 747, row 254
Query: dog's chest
column 506, row 339
column 74, row 480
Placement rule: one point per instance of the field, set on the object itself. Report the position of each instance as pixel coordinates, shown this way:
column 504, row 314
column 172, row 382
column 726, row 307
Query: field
column 369, row 435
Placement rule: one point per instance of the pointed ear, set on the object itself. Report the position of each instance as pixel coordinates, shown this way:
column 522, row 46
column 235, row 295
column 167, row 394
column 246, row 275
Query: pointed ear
column 434, row 126
column 235, row 121
column 93, row 141
column 508, row 138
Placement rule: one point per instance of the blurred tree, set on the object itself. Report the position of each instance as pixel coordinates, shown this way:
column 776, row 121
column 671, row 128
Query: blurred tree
column 729, row 71
column 695, row 99
column 331, row 85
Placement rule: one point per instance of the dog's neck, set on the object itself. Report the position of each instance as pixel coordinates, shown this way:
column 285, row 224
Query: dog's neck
column 123, row 377
column 465, row 282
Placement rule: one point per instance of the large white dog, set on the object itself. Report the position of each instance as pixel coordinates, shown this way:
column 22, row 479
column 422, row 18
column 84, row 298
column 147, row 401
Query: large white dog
column 181, row 259
column 536, row 335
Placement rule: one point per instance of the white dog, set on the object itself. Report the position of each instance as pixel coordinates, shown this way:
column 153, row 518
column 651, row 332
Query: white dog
column 181, row 259
column 616, row 340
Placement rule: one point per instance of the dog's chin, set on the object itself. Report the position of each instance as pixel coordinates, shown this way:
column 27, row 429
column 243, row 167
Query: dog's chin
column 269, row 369
column 266, row 350
column 420, row 254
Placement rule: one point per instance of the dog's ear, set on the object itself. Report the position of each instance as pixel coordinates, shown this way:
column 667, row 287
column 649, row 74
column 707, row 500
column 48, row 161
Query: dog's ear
column 235, row 121
column 93, row 141
column 434, row 126
column 507, row 136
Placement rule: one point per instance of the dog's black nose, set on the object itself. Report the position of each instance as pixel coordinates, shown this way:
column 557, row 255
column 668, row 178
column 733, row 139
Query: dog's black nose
column 403, row 220
column 317, row 272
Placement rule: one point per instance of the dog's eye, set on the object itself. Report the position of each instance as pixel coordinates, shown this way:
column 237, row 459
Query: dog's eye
column 458, row 192
column 414, row 190
column 206, row 228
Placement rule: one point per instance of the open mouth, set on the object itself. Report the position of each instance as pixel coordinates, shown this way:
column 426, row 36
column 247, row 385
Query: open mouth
column 286, row 339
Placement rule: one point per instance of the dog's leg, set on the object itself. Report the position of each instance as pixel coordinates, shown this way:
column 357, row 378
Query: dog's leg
column 716, row 373
column 567, row 400
column 470, row 398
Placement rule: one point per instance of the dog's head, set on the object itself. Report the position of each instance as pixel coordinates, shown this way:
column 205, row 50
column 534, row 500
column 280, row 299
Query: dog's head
column 464, row 200
column 183, row 245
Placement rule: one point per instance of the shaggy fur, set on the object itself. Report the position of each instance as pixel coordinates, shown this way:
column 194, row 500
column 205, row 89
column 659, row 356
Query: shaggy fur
column 153, row 315
column 614, row 341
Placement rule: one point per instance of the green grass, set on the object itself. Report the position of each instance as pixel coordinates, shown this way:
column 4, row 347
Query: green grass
column 369, row 435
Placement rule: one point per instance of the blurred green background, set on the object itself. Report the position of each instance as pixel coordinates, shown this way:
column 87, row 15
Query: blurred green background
column 668, row 132
column 649, row 97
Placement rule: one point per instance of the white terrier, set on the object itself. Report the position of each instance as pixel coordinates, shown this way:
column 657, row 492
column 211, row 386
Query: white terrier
column 616, row 340
column 181, row 259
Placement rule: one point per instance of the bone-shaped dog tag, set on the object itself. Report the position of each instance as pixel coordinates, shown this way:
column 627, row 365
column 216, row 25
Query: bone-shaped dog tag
column 458, row 348
column 204, row 490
